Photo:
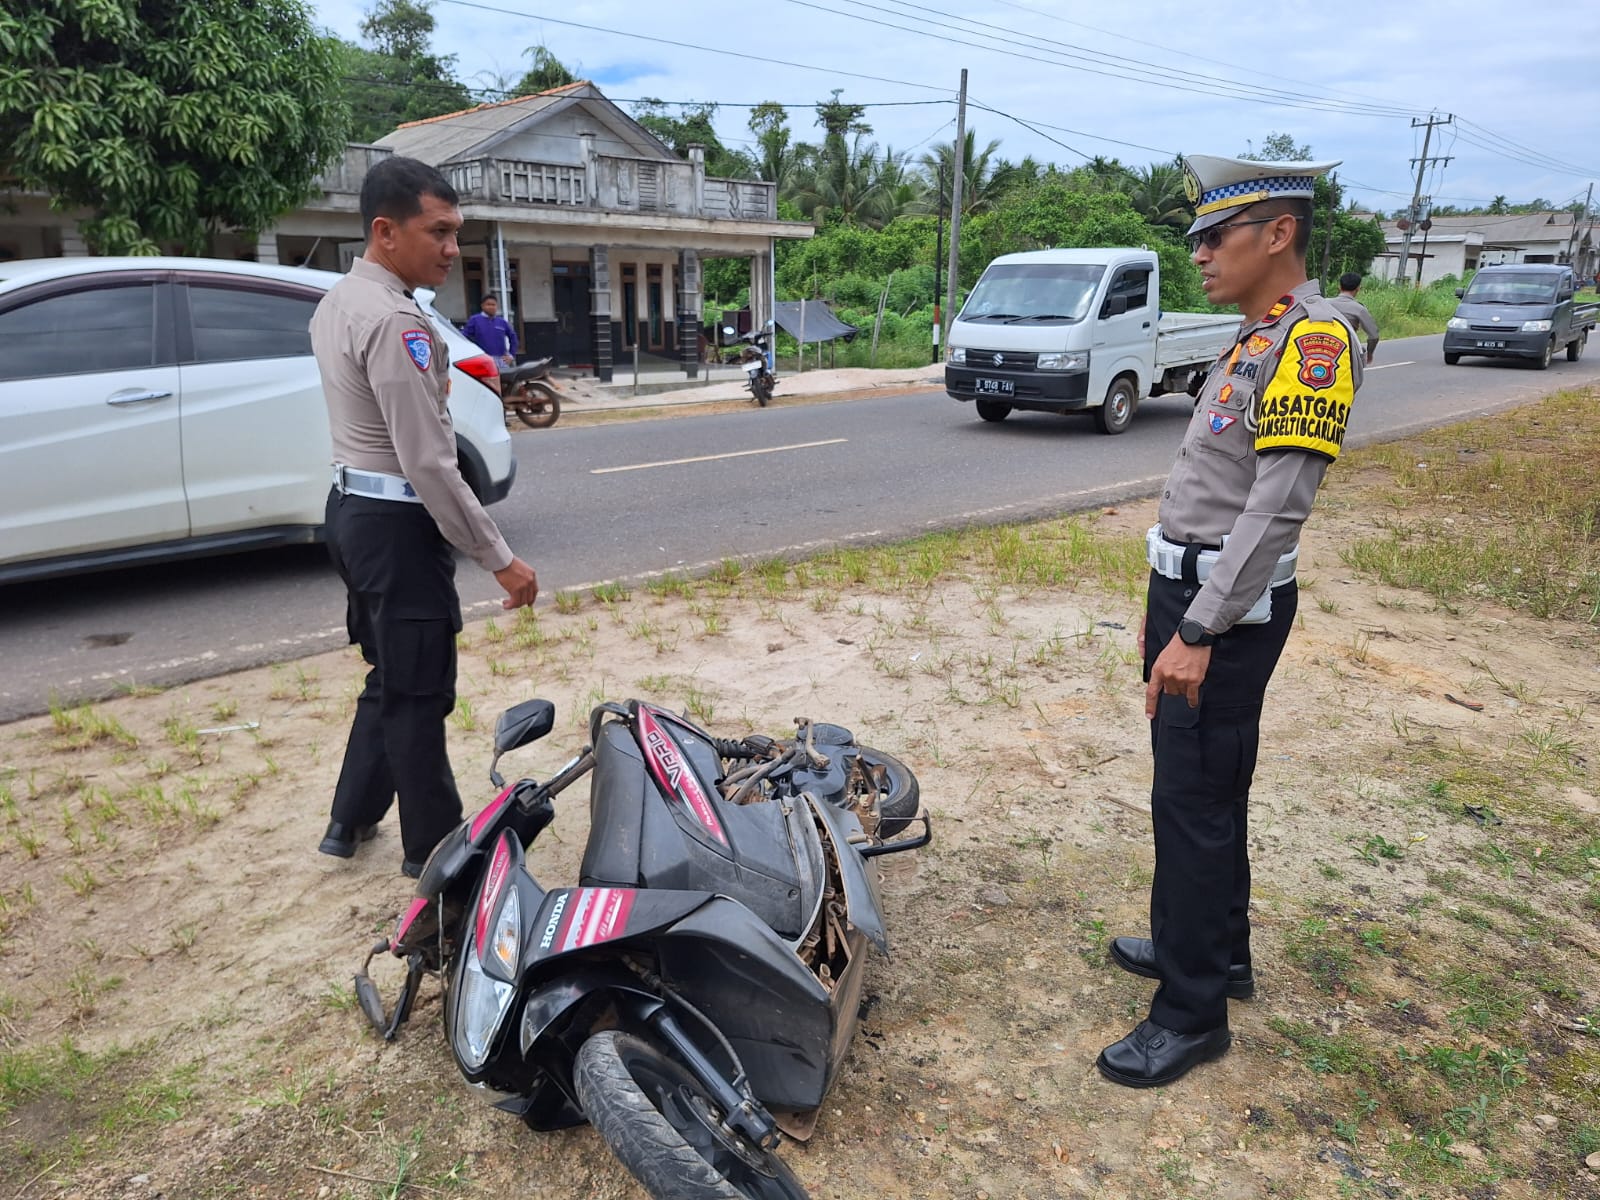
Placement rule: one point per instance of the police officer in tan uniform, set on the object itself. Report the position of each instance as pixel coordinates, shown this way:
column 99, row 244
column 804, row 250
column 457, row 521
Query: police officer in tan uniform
column 397, row 506
column 1269, row 419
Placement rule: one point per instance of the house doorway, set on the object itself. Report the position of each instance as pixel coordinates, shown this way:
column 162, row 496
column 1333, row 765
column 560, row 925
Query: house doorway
column 574, row 337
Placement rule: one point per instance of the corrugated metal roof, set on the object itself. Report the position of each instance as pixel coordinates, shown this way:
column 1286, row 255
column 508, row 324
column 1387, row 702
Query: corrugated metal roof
column 1518, row 227
column 475, row 131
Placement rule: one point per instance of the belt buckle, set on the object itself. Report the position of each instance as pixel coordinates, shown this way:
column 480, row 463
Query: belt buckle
column 339, row 479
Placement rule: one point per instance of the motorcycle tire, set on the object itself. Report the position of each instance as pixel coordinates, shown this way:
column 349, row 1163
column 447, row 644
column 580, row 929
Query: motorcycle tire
column 901, row 796
column 540, row 413
column 762, row 386
column 657, row 1119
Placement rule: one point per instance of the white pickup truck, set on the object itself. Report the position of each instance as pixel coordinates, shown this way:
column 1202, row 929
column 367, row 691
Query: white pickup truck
column 1076, row 330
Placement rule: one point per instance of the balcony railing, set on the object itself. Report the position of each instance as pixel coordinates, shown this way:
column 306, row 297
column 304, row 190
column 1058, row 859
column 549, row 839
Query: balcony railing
column 344, row 176
column 602, row 182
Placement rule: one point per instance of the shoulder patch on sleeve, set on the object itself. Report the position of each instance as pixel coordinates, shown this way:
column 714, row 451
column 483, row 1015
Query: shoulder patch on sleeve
column 1306, row 405
column 420, row 346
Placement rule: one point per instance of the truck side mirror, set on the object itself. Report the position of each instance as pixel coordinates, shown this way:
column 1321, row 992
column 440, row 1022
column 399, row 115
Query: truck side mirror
column 1115, row 306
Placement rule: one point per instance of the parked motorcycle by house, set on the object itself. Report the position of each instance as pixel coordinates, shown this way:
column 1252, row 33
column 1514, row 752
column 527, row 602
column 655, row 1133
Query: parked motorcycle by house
column 698, row 990
column 528, row 391
column 752, row 355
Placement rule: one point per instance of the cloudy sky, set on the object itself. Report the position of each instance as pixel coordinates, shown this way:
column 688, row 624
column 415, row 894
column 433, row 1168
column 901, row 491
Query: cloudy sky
column 1138, row 80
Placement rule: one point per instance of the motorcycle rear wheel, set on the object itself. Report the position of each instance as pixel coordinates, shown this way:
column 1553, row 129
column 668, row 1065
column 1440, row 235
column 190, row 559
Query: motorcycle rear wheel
column 761, row 385
column 900, row 796
column 537, row 407
column 657, row 1119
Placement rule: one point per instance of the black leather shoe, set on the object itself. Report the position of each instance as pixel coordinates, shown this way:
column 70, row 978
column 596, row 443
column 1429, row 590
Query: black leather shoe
column 412, row 870
column 340, row 840
column 1138, row 956
column 1153, row 1055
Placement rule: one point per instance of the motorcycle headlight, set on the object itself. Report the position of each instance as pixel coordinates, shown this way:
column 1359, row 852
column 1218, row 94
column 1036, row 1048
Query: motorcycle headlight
column 1078, row 361
column 1458, row 323
column 480, row 1007
column 958, row 355
column 1536, row 327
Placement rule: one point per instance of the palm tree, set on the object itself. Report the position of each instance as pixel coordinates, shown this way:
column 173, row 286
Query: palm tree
column 841, row 177
column 1158, row 196
column 897, row 190
column 982, row 185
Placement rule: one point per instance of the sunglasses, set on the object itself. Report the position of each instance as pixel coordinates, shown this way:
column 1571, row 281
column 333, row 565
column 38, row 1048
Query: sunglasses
column 1212, row 238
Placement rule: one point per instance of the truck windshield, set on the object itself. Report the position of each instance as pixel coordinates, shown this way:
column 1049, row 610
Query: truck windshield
column 1512, row 288
column 1035, row 292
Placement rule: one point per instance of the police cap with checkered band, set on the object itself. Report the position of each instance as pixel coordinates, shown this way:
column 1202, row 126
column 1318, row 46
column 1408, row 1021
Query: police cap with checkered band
column 1219, row 187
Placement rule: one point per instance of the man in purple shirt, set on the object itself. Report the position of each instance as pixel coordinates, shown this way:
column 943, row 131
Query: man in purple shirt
column 493, row 333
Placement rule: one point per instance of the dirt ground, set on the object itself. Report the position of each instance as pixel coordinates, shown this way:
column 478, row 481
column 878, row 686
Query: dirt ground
column 176, row 1018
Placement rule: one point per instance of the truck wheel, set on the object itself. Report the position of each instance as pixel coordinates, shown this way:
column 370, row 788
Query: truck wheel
column 1576, row 345
column 1451, row 359
column 1544, row 358
column 991, row 410
column 1116, row 414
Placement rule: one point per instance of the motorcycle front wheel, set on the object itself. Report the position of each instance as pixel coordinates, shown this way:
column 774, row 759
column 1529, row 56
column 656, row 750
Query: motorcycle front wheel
column 537, row 407
column 663, row 1127
column 899, row 797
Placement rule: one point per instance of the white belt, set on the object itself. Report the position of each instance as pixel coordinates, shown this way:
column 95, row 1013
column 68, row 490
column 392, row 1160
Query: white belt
column 379, row 485
column 1166, row 558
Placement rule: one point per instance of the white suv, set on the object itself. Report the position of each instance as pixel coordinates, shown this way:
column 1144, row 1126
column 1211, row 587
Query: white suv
column 156, row 408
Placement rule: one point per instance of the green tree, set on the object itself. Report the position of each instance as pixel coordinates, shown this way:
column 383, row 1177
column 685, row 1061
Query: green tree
column 777, row 157
column 1279, row 147
column 1157, row 195
column 398, row 79
column 167, row 119
column 693, row 125
column 1498, row 206
column 984, row 183
column 546, row 71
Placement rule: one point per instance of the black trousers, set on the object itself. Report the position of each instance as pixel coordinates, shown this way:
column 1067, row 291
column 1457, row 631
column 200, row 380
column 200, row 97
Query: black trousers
column 1204, row 760
column 403, row 611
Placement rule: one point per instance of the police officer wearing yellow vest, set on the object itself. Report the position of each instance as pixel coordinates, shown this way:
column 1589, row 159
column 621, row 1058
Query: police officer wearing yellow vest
column 397, row 506
column 1269, row 419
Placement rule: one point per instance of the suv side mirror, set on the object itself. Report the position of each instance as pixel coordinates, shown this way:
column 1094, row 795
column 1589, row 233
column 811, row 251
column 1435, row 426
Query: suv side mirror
column 1460, row 292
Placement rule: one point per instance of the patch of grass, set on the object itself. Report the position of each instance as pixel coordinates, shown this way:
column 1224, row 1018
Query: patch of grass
column 568, row 602
column 1317, row 948
column 78, row 728
column 1341, row 1054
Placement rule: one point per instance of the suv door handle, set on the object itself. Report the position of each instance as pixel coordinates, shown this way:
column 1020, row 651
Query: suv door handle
column 135, row 396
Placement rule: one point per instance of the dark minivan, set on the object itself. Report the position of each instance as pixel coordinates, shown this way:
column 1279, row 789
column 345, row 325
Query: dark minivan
column 1519, row 310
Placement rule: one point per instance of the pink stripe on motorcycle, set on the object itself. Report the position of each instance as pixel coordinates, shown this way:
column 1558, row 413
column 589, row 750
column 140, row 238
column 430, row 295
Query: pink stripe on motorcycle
column 675, row 775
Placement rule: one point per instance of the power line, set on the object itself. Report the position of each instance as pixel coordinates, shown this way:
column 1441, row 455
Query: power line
column 1213, row 88
column 1123, row 62
column 644, row 37
column 1036, row 126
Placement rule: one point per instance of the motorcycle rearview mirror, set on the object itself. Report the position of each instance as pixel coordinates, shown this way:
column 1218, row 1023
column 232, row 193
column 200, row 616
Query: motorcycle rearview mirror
column 729, row 331
column 517, row 726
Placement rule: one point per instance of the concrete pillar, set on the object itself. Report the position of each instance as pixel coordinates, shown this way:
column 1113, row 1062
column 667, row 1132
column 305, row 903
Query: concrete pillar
column 697, row 160
column 689, row 311
column 760, row 289
column 600, row 309
column 267, row 246
column 72, row 243
column 591, row 176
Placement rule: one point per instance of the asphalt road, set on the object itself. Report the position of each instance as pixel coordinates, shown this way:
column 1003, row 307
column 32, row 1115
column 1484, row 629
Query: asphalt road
column 624, row 500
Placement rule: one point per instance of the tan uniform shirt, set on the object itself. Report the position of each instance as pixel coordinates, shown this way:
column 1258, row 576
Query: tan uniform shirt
column 1360, row 318
column 1271, row 417
column 386, row 376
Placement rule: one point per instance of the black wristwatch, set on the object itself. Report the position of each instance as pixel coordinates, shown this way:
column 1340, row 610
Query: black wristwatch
column 1194, row 634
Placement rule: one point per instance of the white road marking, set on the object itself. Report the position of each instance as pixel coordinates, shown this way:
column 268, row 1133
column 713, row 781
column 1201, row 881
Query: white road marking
column 1386, row 366
column 678, row 462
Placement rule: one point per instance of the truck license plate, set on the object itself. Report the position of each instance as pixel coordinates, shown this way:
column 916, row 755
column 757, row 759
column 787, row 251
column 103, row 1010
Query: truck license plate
column 994, row 387
column 1483, row 345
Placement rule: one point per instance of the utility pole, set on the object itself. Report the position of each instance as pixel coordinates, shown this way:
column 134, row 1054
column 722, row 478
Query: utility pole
column 1333, row 216
column 938, row 266
column 956, row 188
column 1572, row 242
column 1416, row 196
